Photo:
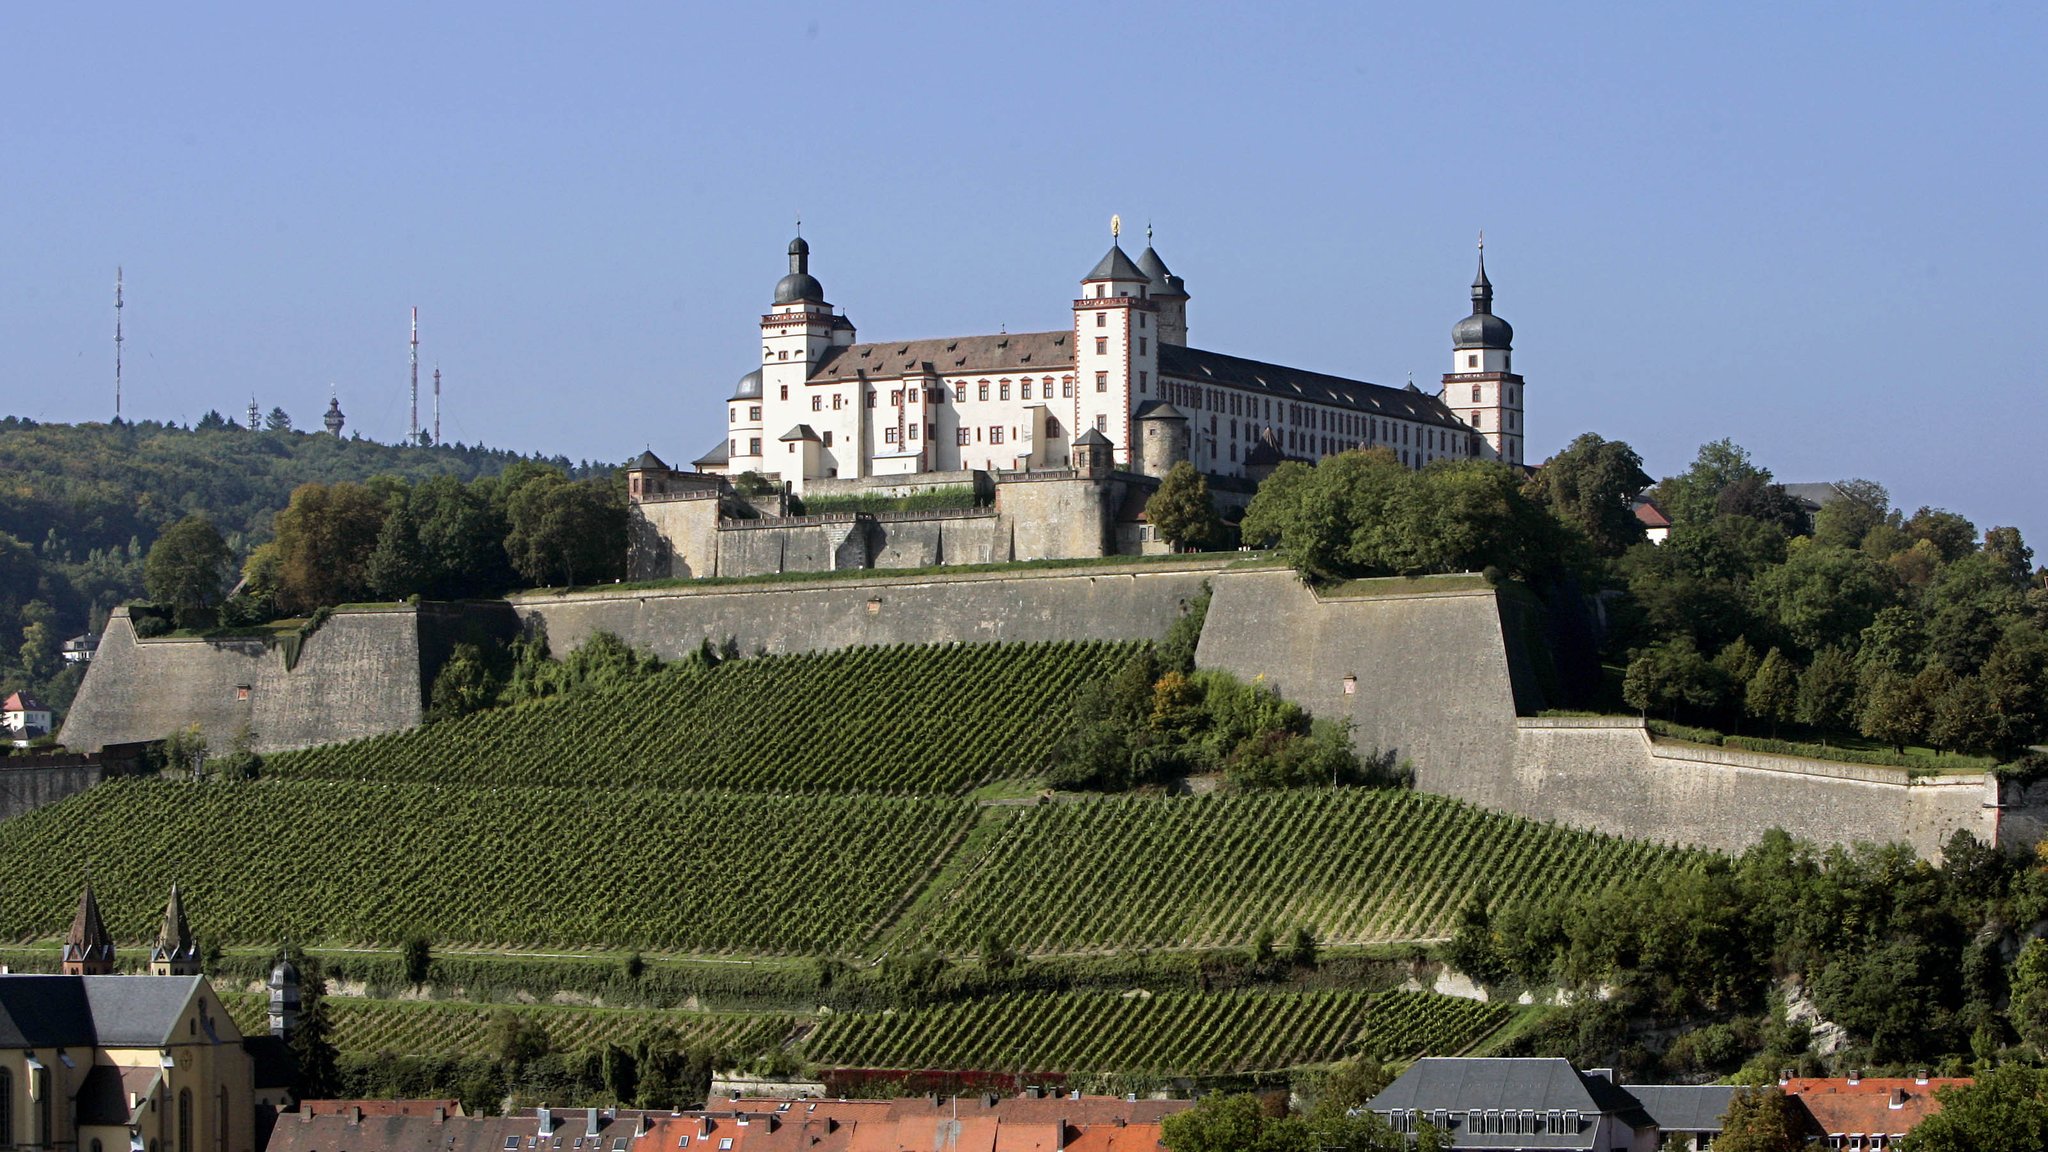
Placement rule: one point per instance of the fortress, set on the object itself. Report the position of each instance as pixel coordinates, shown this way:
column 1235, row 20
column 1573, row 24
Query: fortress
column 1061, row 437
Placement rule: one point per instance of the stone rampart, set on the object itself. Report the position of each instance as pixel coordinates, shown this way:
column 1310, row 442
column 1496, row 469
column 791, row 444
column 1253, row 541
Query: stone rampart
column 1137, row 601
column 362, row 672
column 1433, row 676
column 31, row 782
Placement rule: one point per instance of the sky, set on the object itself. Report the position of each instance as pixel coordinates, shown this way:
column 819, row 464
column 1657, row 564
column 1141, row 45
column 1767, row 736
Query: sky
column 1813, row 229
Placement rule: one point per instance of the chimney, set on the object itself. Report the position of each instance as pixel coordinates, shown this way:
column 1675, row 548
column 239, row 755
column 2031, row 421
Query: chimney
column 440, row 1113
column 1035, row 1092
column 1920, row 1077
column 1855, row 1075
column 988, row 1099
column 590, row 1125
column 355, row 1114
column 1898, row 1099
column 546, row 1119
column 1784, row 1077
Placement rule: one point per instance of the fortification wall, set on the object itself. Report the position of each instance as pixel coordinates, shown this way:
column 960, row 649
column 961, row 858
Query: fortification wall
column 672, row 538
column 1060, row 516
column 1106, row 602
column 361, row 673
column 23, row 790
column 1433, row 679
column 925, row 541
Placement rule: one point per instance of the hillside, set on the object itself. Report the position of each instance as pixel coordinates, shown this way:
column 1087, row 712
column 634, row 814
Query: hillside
column 775, row 859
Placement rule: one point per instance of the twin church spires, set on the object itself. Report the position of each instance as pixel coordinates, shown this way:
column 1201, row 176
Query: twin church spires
column 89, row 948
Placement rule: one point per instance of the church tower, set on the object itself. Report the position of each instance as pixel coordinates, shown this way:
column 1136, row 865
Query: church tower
column 284, row 999
column 1481, row 386
column 798, row 332
column 88, row 950
column 175, row 953
column 1116, row 347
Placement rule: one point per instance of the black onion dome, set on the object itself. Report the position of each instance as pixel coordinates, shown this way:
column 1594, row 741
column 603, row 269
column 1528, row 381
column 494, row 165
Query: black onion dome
column 799, row 286
column 749, row 386
column 1483, row 330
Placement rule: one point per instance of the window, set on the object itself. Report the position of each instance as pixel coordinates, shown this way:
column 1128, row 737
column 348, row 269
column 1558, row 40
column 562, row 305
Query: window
column 753, row 445
column 1475, row 394
column 995, row 435
column 1102, row 381
column 782, row 355
column 724, row 1144
column 6, row 1108
column 895, row 397
column 1141, row 345
column 888, row 435
column 785, row 391
column 184, row 1121
column 1141, row 380
column 1472, row 360
column 754, row 412
column 981, row 390
column 1003, row 390
column 962, row 438
column 1141, row 319
column 1024, row 392
column 1102, row 422
column 735, row 417
column 818, row 403
column 1098, row 291
column 1102, row 319
column 828, row 438
column 1511, row 421
column 1066, row 387
column 871, row 398
column 220, row 1120
column 836, row 400
column 1102, row 345
column 1511, row 394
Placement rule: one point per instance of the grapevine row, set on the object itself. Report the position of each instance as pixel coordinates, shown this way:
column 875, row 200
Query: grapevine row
column 440, row 1028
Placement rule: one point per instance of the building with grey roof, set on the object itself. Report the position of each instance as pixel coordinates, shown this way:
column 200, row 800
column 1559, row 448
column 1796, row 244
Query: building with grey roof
column 1516, row 1104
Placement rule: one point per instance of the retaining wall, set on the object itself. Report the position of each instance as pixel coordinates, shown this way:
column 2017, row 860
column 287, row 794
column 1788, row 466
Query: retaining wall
column 1110, row 601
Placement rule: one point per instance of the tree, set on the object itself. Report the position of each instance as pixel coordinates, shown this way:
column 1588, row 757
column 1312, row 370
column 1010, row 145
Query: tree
column 1672, row 676
column 396, row 569
column 1182, row 512
column 324, row 540
column 1827, row 690
column 1845, row 522
column 1760, row 1120
column 565, row 531
column 1952, row 536
column 1693, row 496
column 2010, row 555
column 418, row 956
column 312, row 1040
column 278, row 421
column 465, row 684
column 1822, row 596
column 2005, row 1110
column 187, row 569
column 185, row 751
column 1773, row 692
column 1892, row 711
column 1961, row 718
column 1591, row 486
column 519, row 1038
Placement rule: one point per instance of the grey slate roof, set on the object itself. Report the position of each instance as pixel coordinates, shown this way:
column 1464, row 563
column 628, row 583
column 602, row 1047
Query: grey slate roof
column 1684, row 1107
column 800, row 432
column 1114, row 265
column 1018, row 352
column 1295, row 384
column 648, row 461
column 1458, row 1085
column 1158, row 410
column 1814, row 495
column 1092, row 438
column 87, row 1011
column 721, row 453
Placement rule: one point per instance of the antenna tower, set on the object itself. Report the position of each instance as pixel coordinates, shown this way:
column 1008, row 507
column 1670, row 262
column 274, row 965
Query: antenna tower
column 117, row 343
column 437, row 403
column 414, row 438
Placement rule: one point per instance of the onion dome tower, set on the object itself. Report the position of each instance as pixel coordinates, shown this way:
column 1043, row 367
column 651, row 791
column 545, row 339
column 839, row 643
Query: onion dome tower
column 334, row 419
column 284, row 999
column 1481, row 386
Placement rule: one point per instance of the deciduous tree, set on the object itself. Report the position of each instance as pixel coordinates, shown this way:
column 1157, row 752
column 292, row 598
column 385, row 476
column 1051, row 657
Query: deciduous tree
column 187, row 569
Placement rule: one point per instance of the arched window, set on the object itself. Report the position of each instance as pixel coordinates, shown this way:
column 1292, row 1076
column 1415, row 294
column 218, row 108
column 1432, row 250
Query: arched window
column 220, row 1121
column 96, row 1146
column 184, row 1121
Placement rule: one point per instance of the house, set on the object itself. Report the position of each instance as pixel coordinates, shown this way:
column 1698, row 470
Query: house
column 25, row 719
column 1688, row 1115
column 79, row 649
column 1656, row 525
column 1513, row 1104
column 1863, row 1114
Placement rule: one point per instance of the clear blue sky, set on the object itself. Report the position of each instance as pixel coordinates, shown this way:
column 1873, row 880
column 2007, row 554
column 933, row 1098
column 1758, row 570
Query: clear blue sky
column 1815, row 230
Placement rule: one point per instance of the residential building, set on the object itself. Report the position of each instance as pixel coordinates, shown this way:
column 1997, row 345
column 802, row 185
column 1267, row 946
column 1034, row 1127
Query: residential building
column 25, row 719
column 1866, row 1114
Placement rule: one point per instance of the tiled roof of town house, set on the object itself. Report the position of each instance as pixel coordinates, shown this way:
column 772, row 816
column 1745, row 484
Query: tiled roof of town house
column 1198, row 366
column 1651, row 516
column 1888, row 1106
column 1118, row 1138
column 404, row 1130
column 1014, row 352
column 382, row 1107
column 22, row 702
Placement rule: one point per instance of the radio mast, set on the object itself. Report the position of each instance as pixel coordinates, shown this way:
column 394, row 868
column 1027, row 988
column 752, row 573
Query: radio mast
column 117, row 342
column 414, row 438
column 437, row 404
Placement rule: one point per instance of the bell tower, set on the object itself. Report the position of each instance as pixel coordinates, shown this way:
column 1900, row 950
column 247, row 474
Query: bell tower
column 88, row 949
column 1481, row 386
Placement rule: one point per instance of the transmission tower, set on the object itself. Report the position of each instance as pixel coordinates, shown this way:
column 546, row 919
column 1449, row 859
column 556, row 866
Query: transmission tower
column 414, row 438
column 117, row 343
column 437, row 403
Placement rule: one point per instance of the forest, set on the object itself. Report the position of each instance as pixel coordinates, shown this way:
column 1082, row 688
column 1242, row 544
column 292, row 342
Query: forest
column 83, row 506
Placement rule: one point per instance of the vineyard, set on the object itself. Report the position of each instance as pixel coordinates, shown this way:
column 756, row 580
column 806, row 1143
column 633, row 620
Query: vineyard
column 1139, row 1032
column 355, row 863
column 900, row 719
column 435, row 1028
column 1356, row 866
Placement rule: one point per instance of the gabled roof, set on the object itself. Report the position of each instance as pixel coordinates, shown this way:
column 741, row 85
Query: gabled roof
column 1651, row 516
column 1198, row 366
column 22, row 702
column 1114, row 265
column 1886, row 1105
column 1815, row 495
column 1013, row 352
column 800, row 432
column 85, row 1011
column 1684, row 1107
column 1459, row 1085
column 1092, row 438
column 721, row 453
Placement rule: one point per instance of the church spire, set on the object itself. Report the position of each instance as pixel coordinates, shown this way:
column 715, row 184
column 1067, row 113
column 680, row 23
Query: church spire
column 88, row 950
column 1482, row 288
column 176, row 953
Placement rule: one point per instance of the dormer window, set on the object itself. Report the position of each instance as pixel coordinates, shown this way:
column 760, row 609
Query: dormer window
column 1099, row 290
column 1472, row 360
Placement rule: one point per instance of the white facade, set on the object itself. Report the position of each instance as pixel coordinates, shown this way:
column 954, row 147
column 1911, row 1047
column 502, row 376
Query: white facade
column 822, row 406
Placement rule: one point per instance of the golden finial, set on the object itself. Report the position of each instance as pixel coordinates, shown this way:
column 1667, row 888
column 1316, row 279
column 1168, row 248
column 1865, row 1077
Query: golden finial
column 1116, row 227
column 1482, row 239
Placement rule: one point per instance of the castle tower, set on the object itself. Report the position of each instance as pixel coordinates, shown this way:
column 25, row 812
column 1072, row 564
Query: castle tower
column 88, row 950
column 334, row 418
column 175, row 953
column 1162, row 438
column 1116, row 345
column 284, row 999
column 1481, row 385
column 1170, row 291
column 797, row 334
column 1092, row 454
column 745, row 442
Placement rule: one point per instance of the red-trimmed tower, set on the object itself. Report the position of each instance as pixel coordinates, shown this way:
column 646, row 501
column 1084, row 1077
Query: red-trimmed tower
column 1481, row 386
column 1116, row 348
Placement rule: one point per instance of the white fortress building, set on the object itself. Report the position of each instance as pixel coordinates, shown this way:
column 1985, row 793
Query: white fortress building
column 1117, row 397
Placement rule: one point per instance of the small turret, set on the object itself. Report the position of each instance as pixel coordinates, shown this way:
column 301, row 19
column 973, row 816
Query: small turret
column 334, row 418
column 176, row 953
column 88, row 950
column 1092, row 453
column 284, row 999
column 1162, row 432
